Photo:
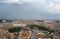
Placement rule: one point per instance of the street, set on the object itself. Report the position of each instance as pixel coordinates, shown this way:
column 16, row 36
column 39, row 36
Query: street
column 33, row 35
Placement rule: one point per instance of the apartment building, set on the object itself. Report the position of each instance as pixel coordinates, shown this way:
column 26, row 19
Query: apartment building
column 6, row 25
column 42, row 35
column 4, row 33
column 24, row 35
column 18, row 24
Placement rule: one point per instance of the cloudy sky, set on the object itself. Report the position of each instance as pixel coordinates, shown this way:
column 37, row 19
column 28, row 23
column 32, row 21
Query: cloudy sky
column 34, row 9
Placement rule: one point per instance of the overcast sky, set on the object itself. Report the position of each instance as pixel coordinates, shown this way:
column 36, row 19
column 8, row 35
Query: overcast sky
column 34, row 9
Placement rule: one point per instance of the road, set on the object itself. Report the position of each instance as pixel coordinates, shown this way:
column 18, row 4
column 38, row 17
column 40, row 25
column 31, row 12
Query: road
column 16, row 36
column 33, row 35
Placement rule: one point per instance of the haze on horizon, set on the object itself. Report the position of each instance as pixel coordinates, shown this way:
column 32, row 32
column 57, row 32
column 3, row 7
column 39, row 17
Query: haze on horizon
column 34, row 9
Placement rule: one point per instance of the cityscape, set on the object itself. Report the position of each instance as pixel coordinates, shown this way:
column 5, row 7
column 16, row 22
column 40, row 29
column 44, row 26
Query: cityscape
column 29, row 19
column 30, row 29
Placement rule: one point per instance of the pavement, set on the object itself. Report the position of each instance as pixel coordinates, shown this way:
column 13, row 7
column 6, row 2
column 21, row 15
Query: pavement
column 33, row 35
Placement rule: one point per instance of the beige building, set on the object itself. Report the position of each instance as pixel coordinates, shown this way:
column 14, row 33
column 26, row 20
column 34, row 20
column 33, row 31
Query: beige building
column 6, row 25
column 18, row 24
column 42, row 35
column 4, row 34
column 24, row 35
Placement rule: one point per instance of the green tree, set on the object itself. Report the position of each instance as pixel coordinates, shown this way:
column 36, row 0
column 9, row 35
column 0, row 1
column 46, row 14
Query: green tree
column 15, row 29
column 41, row 28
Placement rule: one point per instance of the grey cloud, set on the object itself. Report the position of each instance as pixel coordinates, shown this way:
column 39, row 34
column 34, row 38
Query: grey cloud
column 26, row 10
